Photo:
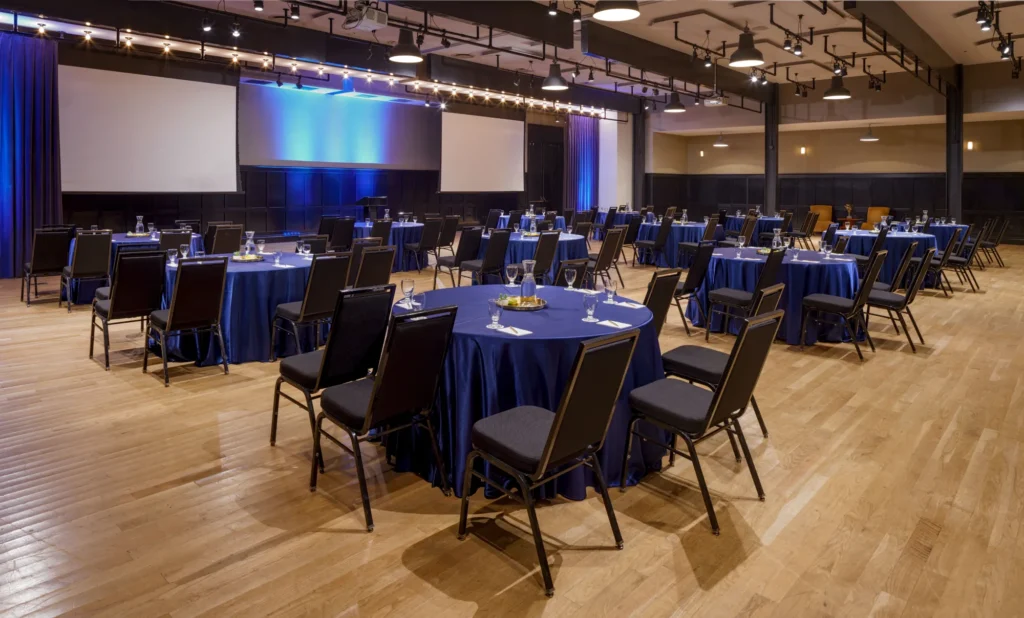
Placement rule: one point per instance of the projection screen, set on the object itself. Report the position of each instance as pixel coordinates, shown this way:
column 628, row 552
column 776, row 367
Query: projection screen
column 480, row 154
column 127, row 133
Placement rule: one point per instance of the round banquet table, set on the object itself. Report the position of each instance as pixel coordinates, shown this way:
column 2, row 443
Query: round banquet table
column 252, row 293
column 764, row 225
column 621, row 218
column 896, row 243
column 812, row 274
column 487, row 371
column 83, row 293
column 503, row 221
column 941, row 232
column 401, row 233
column 688, row 232
column 570, row 247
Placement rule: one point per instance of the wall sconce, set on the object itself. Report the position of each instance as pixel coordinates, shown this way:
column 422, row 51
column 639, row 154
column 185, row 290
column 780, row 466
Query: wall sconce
column 803, row 150
column 702, row 153
column 970, row 145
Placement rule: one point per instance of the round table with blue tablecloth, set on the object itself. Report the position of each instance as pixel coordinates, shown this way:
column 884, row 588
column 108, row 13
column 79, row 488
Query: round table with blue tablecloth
column 525, row 221
column 621, row 218
column 401, row 233
column 488, row 371
column 896, row 244
column 941, row 231
column 252, row 293
column 764, row 225
column 570, row 247
column 688, row 232
column 803, row 272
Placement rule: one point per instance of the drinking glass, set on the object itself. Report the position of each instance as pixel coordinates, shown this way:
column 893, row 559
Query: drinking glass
column 827, row 248
column 414, row 219
column 942, row 221
column 172, row 256
column 94, row 227
column 568, row 229
column 590, row 306
column 183, row 249
column 200, row 254
column 277, row 258
column 511, row 270
column 298, row 246
column 610, row 286
column 570, row 277
column 387, row 212
column 706, row 220
column 515, row 228
column 952, row 220
column 151, row 228
column 408, row 287
column 796, row 254
column 741, row 241
column 305, row 250
column 260, row 245
column 494, row 309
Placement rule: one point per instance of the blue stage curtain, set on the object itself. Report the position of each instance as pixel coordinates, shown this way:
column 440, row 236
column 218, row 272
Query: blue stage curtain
column 29, row 145
column 581, row 163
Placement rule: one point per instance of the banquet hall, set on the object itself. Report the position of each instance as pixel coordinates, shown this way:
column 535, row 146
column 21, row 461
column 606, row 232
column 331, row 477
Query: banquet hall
column 656, row 308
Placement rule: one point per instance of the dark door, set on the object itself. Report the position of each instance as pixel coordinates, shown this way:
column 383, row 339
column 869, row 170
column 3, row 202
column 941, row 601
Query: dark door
column 545, row 165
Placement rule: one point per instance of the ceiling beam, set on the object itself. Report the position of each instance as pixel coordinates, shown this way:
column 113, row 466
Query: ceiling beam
column 887, row 16
column 527, row 19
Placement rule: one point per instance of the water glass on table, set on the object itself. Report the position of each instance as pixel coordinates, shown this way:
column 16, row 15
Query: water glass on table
column 570, row 277
column 827, row 250
column 306, row 250
column 172, row 256
column 511, row 272
column 408, row 287
column 260, row 245
column 494, row 309
column 610, row 286
column 590, row 306
column 515, row 228
column 183, row 249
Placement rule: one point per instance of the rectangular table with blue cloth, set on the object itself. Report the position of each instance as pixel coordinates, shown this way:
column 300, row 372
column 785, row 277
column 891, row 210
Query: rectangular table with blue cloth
column 503, row 221
column 896, row 243
column 487, row 372
column 401, row 233
column 688, row 232
column 570, row 247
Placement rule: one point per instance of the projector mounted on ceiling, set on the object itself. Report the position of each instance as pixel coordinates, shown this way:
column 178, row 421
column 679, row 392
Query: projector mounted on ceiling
column 366, row 18
column 719, row 100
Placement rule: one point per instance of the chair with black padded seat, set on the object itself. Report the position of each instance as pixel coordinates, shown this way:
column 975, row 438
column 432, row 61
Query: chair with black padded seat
column 327, row 225
column 579, row 266
column 400, row 394
column 660, row 292
column 927, row 225
column 742, row 300
column 645, row 248
column 605, row 261
column 532, row 445
column 709, row 237
column 937, row 265
column 226, row 239
column 723, row 215
column 211, row 229
column 592, row 216
column 828, row 237
column 103, row 293
column 469, row 247
column 515, row 217
column 878, row 245
column 174, row 239
column 618, row 251
column 849, row 310
column 706, row 365
column 551, row 217
column 990, row 245
column 745, row 232
column 544, row 256
column 961, row 266
column 492, row 219
column 90, row 261
column 965, row 239
column 892, row 301
column 901, row 271
column 375, row 266
column 328, row 274
column 358, row 246
column 584, row 229
column 382, row 229
column 449, row 230
column 806, row 231
column 688, row 288
column 136, row 292
column 427, row 243
column 493, row 262
column 193, row 225
column 695, row 414
column 49, row 256
column 542, row 225
column 343, row 233
column 568, row 214
column 359, row 323
column 609, row 221
column 629, row 239
column 196, row 306
column 317, row 244
column 840, row 247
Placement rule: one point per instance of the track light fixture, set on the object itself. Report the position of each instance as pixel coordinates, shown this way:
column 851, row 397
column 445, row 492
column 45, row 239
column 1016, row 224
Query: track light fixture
column 445, row 43
column 293, row 12
column 88, row 35
column 787, row 44
column 590, row 78
column 298, row 83
column 986, row 25
column 644, row 90
column 207, row 24
column 236, row 30
column 127, row 41
column 257, row 5
column 405, row 51
column 1007, row 49
column 553, row 8
column 746, row 55
column 720, row 142
column 42, row 28
column 764, row 79
column 616, row 10
column 753, row 77
column 576, row 72
column 798, row 50
column 836, row 67
column 982, row 13
column 577, row 17
column 869, row 136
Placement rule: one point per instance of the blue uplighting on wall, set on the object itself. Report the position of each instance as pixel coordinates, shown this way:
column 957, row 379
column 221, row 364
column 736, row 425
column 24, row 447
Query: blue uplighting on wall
column 332, row 129
column 582, row 163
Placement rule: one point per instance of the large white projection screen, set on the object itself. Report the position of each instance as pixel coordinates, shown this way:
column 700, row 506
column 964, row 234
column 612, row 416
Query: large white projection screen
column 480, row 154
column 127, row 133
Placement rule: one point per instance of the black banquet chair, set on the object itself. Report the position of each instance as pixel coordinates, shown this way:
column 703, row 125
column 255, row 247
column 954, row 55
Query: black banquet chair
column 643, row 248
column 660, row 292
column 427, row 243
column 358, row 246
column 897, row 304
column 136, row 292
column 375, row 266
column 354, row 343
column 532, row 445
column 741, row 301
column 400, row 395
column 196, row 307
column 688, row 288
column 49, row 257
column 327, row 275
column 226, row 239
column 493, row 261
column 382, row 229
column 192, row 225
column 469, row 247
column 449, row 230
column 342, row 234
column 695, row 414
column 174, row 239
column 90, row 261
column 578, row 266
column 547, row 247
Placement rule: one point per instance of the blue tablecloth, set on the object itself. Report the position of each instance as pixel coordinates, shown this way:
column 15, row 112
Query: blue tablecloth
column 621, row 218
column 252, row 293
column 570, row 247
column 943, row 233
column 811, row 275
column 691, row 232
column 896, row 243
column 401, row 233
column 525, row 222
column 487, row 372
column 764, row 224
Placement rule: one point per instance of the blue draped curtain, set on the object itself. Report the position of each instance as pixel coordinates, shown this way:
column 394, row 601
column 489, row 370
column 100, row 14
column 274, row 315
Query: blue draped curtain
column 581, row 163
column 29, row 145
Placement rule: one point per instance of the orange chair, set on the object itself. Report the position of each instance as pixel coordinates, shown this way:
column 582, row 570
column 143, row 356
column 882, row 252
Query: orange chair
column 875, row 214
column 824, row 216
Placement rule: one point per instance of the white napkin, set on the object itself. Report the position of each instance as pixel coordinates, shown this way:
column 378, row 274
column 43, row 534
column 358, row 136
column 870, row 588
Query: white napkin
column 630, row 305
column 512, row 330
column 583, row 291
column 613, row 324
column 284, row 266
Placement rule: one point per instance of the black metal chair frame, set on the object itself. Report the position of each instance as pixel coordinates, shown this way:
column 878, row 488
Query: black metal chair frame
column 362, row 260
column 303, row 321
column 427, row 244
column 856, row 317
column 666, row 273
column 692, row 295
column 66, row 280
column 659, row 243
column 762, row 282
column 493, row 268
column 908, row 298
column 606, row 258
column 446, row 240
column 105, row 323
column 30, row 275
column 456, row 262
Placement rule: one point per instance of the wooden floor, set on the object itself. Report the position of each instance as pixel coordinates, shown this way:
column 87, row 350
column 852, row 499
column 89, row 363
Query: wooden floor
column 895, row 487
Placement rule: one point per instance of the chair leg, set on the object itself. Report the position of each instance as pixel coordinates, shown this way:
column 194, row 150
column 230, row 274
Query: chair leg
column 313, row 466
column 435, row 276
column 906, row 331
column 757, row 414
column 803, row 326
column 273, row 339
column 23, row 281
column 163, row 356
column 682, row 316
column 362, row 481
column 750, row 460
column 735, row 449
column 92, row 331
column 223, row 350
column 621, row 282
column 703, row 485
column 672, row 453
column 867, row 335
column 538, row 540
column 298, row 340
column 853, row 336
column 277, row 405
column 625, row 454
column 145, row 352
column 893, row 320
column 445, row 489
column 603, row 488
column 318, row 453
column 467, row 480
column 106, row 345
column 914, row 322
column 707, row 323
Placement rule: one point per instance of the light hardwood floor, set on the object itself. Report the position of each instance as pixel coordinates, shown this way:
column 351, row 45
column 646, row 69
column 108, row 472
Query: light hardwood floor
column 894, row 486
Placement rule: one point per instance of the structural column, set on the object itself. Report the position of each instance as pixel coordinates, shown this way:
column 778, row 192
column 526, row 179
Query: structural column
column 954, row 144
column 771, row 152
column 639, row 158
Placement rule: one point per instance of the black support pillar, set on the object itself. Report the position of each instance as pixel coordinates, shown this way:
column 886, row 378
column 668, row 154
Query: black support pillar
column 639, row 158
column 954, row 144
column 771, row 151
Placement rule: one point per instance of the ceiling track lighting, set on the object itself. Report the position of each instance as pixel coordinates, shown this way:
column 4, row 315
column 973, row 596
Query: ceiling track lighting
column 405, row 51
column 577, row 16
column 257, row 5
column 293, row 12
column 88, row 35
column 207, row 24
column 616, row 10
column 42, row 28
column 553, row 8
column 590, row 78
column 746, row 54
column 554, row 81
column 236, row 30
column 127, row 41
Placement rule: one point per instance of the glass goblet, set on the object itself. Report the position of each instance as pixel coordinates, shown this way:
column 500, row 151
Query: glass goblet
column 590, row 306
column 183, row 249
column 511, row 272
column 494, row 309
column 408, row 287
column 260, row 245
column 570, row 277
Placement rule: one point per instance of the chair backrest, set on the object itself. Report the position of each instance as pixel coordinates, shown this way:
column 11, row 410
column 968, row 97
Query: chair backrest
column 568, row 214
column 747, row 231
column 908, row 256
column 670, row 212
column 723, row 214
column 787, row 220
column 580, row 266
column 492, row 219
column 49, row 250
column 948, row 251
column 920, row 276
column 870, row 276
column 710, row 229
column 547, row 247
column 327, row 275
column 589, row 400
column 343, row 233
column 698, row 267
column 170, row 239
column 743, row 368
column 583, row 228
column 664, row 229
column 551, row 217
column 92, row 254
column 841, row 244
column 927, row 225
column 430, row 235
column 375, row 266
column 469, row 245
column 358, row 329
column 632, row 230
column 609, row 218
column 411, row 366
column 592, row 217
column 958, row 249
column 193, row 225
column 226, row 239
column 494, row 256
column 770, row 273
column 211, row 228
column 448, row 231
column 543, row 225
column 358, row 245
column 767, row 299
column 138, row 284
column 879, row 240
column 830, row 233
column 514, row 218
column 326, row 225
column 660, row 292
column 609, row 249
column 1002, row 231
column 317, row 244
column 382, row 229
column 198, row 293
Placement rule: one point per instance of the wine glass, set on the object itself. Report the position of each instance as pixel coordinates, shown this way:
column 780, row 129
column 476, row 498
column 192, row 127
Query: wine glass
column 172, row 256
column 306, row 249
column 827, row 248
column 387, row 213
column 952, row 220
column 94, row 227
column 570, row 277
column 515, row 228
column 408, row 287
column 494, row 309
column 942, row 221
column 590, row 306
column 260, row 245
column 298, row 246
column 183, row 249
column 610, row 286
column 511, row 271
column 741, row 241
column 277, row 258
column 152, row 230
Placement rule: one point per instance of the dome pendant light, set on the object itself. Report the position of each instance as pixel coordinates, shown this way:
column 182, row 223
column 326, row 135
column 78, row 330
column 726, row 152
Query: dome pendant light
column 720, row 142
column 746, row 55
column 616, row 10
column 675, row 106
column 405, row 52
column 868, row 137
column 554, row 80
column 837, row 91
